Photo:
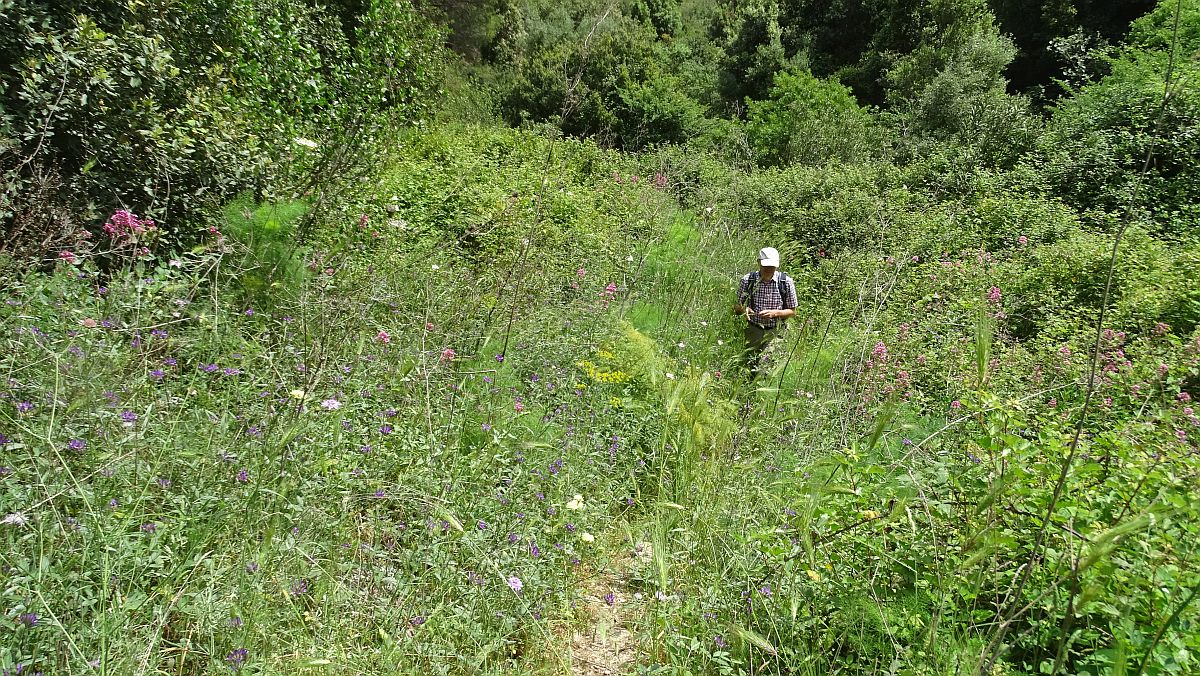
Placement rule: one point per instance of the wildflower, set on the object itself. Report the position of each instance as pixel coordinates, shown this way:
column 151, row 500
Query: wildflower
column 587, row 537
column 575, row 502
column 1022, row 240
column 499, row 359
column 24, row 406
column 518, row 406
column 534, row 551
column 383, row 337
column 305, row 143
column 670, row 376
column 331, row 404
column 448, row 354
column 252, row 567
column 296, row 394
column 765, row 590
column 249, row 312
column 385, row 429
column 993, row 294
column 720, row 641
column 76, row 444
column 237, row 658
column 129, row 417
column 1161, row 329
column 481, row 525
column 610, row 598
column 15, row 519
column 416, row 620
column 28, row 619
column 1184, row 397
column 157, row 374
column 299, row 588
column 813, row 575
column 243, row 476
column 434, row 267
column 89, row 323
column 485, row 427
column 515, row 584
column 149, row 527
column 956, row 404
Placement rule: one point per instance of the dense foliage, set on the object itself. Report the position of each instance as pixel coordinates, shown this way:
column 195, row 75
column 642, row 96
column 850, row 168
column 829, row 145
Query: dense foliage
column 168, row 108
column 360, row 395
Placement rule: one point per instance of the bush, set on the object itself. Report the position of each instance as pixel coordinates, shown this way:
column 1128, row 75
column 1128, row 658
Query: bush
column 811, row 121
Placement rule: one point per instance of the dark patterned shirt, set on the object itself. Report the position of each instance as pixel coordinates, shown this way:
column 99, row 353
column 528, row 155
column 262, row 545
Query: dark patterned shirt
column 768, row 295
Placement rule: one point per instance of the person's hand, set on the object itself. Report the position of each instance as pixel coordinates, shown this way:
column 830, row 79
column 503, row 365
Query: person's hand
column 769, row 314
column 739, row 310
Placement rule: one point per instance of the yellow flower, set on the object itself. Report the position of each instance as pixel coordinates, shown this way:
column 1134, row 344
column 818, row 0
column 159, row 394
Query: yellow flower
column 297, row 394
column 870, row 514
column 575, row 502
column 813, row 575
column 587, row 537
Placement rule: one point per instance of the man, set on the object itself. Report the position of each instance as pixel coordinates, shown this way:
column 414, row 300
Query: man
column 765, row 298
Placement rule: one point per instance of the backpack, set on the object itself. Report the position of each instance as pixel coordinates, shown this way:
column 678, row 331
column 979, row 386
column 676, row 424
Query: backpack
column 752, row 286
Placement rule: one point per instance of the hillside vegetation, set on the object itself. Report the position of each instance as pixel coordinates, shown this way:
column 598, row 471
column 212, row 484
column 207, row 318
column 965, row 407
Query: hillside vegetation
column 329, row 349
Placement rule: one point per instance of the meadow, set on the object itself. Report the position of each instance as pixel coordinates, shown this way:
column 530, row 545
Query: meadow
column 490, row 416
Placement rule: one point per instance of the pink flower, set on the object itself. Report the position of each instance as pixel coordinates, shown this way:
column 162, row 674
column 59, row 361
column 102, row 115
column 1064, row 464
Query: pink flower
column 956, row 404
column 880, row 351
column 449, row 354
column 993, row 294
column 68, row 257
column 1184, row 397
column 1162, row 370
column 1161, row 329
column 1022, row 240
column 363, row 220
column 1053, row 402
column 518, row 407
column 581, row 272
column 428, row 326
column 383, row 337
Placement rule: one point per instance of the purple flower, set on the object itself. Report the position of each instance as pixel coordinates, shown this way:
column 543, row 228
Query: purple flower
column 252, row 567
column 249, row 312
column 243, row 476
column 209, row 368
column 533, row 549
column 500, row 358
column 28, row 619
column 482, row 525
column 610, row 598
column 416, row 620
column 76, row 444
column 237, row 658
column 163, row 482
column 385, row 429
column 299, row 588
column 515, row 584
column 720, row 641
column 486, row 427
column 129, row 416
column 24, row 407
column 765, row 590
column 170, row 361
column 149, row 526
column 157, row 374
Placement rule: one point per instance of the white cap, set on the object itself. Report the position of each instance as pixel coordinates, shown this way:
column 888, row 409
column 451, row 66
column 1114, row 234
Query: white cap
column 768, row 257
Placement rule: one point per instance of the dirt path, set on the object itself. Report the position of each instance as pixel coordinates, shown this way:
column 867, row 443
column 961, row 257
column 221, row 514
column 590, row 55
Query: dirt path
column 605, row 646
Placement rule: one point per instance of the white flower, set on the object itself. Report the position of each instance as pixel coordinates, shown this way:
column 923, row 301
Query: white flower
column 15, row 519
column 720, row 342
column 629, row 258
column 703, row 323
column 587, row 537
column 670, row 376
column 331, row 404
column 435, row 266
column 297, row 394
column 301, row 141
column 575, row 502
column 681, row 345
